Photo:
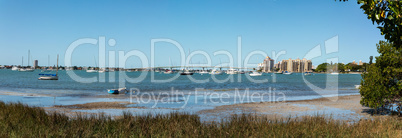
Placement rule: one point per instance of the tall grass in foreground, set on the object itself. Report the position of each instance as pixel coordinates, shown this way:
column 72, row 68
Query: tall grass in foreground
column 19, row 120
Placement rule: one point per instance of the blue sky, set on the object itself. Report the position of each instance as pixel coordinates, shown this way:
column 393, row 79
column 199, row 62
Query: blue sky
column 295, row 26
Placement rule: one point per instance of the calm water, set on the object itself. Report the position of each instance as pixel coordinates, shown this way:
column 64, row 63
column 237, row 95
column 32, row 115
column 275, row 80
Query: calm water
column 159, row 96
column 293, row 84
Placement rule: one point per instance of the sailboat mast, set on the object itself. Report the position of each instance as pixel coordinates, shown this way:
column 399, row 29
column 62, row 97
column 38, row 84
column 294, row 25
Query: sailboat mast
column 22, row 64
column 29, row 54
column 96, row 65
column 57, row 67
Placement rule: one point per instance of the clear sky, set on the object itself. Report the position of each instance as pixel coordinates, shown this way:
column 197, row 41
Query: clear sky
column 295, row 26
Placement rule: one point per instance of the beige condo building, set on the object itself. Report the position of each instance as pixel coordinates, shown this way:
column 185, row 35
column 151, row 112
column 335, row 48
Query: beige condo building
column 295, row 65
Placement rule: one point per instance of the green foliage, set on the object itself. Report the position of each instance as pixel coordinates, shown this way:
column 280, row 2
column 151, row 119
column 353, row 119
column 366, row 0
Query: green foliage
column 18, row 120
column 381, row 86
column 322, row 67
column 387, row 14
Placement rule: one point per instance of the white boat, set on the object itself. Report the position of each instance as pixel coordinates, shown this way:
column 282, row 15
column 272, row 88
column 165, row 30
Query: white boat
column 187, row 72
column 287, row 73
column 203, row 72
column 103, row 70
column 255, row 74
column 91, row 70
column 334, row 73
column 215, row 72
column 51, row 76
column 231, row 71
column 307, row 73
column 48, row 77
column 26, row 70
column 46, row 70
column 15, row 68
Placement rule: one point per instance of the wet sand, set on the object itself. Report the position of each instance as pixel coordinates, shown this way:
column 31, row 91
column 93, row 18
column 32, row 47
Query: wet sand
column 342, row 108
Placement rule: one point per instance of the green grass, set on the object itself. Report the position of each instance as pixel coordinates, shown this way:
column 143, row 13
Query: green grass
column 19, row 120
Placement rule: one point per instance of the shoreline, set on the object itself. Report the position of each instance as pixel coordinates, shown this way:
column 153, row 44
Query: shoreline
column 346, row 107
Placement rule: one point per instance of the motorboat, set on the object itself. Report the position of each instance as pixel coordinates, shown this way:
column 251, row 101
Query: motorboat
column 103, row 70
column 278, row 72
column 334, row 73
column 231, row 71
column 307, row 73
column 26, row 70
column 15, row 68
column 168, row 72
column 215, row 72
column 255, row 73
column 91, row 70
column 187, row 72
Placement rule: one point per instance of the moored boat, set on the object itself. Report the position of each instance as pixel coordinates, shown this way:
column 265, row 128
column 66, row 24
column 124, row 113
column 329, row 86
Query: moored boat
column 51, row 76
column 187, row 72
column 255, row 73
column 287, row 73
column 215, row 72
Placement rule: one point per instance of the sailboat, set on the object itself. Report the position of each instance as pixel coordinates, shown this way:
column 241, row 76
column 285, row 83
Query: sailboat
column 51, row 76
column 48, row 65
column 169, row 71
column 26, row 69
column 91, row 70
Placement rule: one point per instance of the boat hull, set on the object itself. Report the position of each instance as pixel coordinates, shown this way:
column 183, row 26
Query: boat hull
column 186, row 73
column 48, row 78
column 91, row 71
column 113, row 91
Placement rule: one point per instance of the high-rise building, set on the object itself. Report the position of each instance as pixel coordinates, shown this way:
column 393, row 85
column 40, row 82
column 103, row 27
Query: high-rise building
column 360, row 63
column 297, row 65
column 268, row 65
column 35, row 64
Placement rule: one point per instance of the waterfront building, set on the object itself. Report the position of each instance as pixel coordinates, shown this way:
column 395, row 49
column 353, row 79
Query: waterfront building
column 297, row 65
column 35, row 64
column 360, row 62
column 355, row 63
column 268, row 64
